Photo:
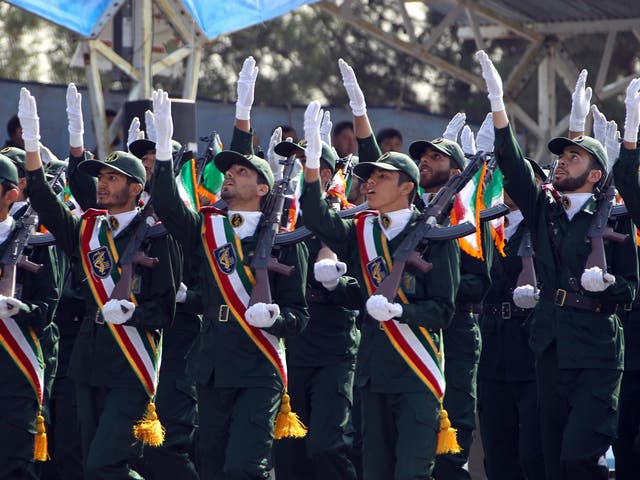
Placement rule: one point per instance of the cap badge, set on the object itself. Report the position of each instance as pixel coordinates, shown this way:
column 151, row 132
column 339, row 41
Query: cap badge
column 438, row 140
column 112, row 157
column 578, row 139
column 5, row 150
column 384, row 156
column 566, row 202
column 113, row 223
column 385, row 221
column 236, row 220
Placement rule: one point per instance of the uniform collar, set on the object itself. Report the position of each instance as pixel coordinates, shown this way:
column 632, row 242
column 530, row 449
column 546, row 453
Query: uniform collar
column 120, row 221
column 16, row 207
column 576, row 202
column 392, row 223
column 244, row 223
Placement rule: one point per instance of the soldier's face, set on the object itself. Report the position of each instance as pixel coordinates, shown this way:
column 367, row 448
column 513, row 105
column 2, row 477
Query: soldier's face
column 383, row 191
column 114, row 189
column 435, row 169
column 573, row 170
column 240, row 184
column 345, row 142
column 148, row 162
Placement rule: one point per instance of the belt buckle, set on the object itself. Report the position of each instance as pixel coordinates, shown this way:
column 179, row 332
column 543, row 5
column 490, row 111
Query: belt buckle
column 223, row 313
column 561, row 296
column 99, row 319
column 628, row 307
column 505, row 310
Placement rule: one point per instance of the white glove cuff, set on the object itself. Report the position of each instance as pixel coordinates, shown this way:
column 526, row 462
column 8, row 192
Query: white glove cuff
column 76, row 140
column 31, row 145
column 358, row 110
column 630, row 136
column 312, row 163
column 576, row 125
column 163, row 154
column 243, row 112
column 331, row 286
column 497, row 104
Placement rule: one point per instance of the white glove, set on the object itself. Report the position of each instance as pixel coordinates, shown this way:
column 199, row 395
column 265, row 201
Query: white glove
column 262, row 315
column 47, row 155
column 580, row 104
column 486, row 135
column 454, row 126
column 29, row 120
column 164, row 124
column 382, row 309
column 493, row 80
column 595, row 280
column 312, row 119
column 117, row 311
column 9, row 306
column 599, row 124
column 150, row 126
column 246, row 88
column 612, row 143
column 325, row 128
column 328, row 272
column 632, row 118
column 468, row 141
column 134, row 132
column 526, row 296
column 181, row 294
column 356, row 97
column 272, row 157
column 74, row 116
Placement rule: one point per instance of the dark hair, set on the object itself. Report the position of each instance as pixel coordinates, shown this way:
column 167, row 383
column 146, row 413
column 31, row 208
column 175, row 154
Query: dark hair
column 109, row 112
column 12, row 125
column 337, row 130
column 594, row 164
column 402, row 178
column 131, row 180
column 386, row 133
column 263, row 181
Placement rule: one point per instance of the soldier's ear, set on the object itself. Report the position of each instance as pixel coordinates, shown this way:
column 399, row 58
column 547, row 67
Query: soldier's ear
column 12, row 195
column 595, row 175
column 137, row 188
column 263, row 189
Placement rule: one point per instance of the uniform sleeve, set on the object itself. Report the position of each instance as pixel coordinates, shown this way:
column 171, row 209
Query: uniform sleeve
column 82, row 186
column 627, row 180
column 624, row 264
column 241, row 141
column 289, row 293
column 181, row 222
column 347, row 294
column 52, row 213
column 519, row 181
column 442, row 281
column 475, row 277
column 368, row 149
column 157, row 293
column 326, row 224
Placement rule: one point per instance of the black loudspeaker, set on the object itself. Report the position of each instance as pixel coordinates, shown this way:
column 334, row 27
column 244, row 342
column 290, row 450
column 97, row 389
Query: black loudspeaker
column 183, row 113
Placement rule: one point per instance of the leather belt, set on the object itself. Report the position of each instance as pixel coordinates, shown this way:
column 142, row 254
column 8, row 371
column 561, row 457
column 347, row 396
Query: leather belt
column 562, row 298
column 505, row 310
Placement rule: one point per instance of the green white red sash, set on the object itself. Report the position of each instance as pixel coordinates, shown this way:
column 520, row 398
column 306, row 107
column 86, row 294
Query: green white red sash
column 235, row 281
column 23, row 346
column 100, row 264
column 414, row 344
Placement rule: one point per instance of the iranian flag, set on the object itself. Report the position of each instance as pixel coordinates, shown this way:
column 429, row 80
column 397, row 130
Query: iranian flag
column 466, row 207
column 187, row 185
column 493, row 195
column 212, row 178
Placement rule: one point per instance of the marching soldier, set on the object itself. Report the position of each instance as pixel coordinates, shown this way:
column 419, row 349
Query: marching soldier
column 238, row 360
column 401, row 410
column 576, row 335
column 115, row 358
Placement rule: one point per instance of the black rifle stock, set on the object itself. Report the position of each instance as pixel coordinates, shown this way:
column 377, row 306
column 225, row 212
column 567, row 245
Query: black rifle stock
column 527, row 275
column 263, row 261
column 434, row 213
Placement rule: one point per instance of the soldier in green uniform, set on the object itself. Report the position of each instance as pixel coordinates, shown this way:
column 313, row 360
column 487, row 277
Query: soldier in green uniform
column 322, row 359
column 576, row 335
column 626, row 447
column 238, row 357
column 437, row 161
column 400, row 411
column 115, row 357
column 25, row 321
column 507, row 401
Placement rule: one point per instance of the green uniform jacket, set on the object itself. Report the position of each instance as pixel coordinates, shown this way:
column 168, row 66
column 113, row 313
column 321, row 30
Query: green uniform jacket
column 584, row 339
column 431, row 295
column 82, row 186
column 224, row 350
column 96, row 358
column 506, row 355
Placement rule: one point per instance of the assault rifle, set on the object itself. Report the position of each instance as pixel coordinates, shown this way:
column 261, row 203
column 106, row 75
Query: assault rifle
column 179, row 160
column 434, row 213
column 262, row 260
column 207, row 155
column 527, row 275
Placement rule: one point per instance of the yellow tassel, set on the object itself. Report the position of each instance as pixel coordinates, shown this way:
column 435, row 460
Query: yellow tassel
column 40, row 453
column 447, row 438
column 149, row 430
column 288, row 425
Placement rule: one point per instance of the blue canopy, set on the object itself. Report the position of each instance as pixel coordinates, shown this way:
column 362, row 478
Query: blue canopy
column 214, row 17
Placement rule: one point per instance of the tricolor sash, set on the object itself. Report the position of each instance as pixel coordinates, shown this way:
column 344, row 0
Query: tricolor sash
column 414, row 344
column 100, row 263
column 235, row 281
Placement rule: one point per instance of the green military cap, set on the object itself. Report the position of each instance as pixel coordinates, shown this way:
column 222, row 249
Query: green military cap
column 444, row 146
column 123, row 162
column 141, row 147
column 590, row 144
column 392, row 161
column 225, row 159
column 289, row 148
column 16, row 155
column 8, row 170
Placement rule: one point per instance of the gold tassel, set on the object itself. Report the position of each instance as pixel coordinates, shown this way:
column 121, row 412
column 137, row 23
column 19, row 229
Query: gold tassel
column 447, row 438
column 40, row 453
column 149, row 430
column 288, row 425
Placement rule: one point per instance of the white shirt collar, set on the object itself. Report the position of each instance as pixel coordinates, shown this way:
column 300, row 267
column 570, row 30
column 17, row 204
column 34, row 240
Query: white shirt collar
column 5, row 228
column 15, row 207
column 576, row 202
column 244, row 223
column 392, row 223
column 514, row 218
column 145, row 196
column 123, row 220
